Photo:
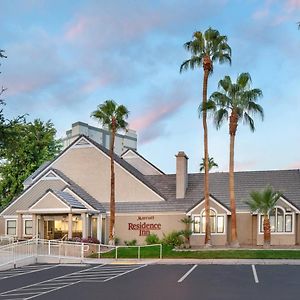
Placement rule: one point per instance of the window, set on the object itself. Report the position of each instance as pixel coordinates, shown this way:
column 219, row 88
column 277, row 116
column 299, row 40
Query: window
column 196, row 224
column 28, row 227
column 11, row 227
column 280, row 221
column 217, row 222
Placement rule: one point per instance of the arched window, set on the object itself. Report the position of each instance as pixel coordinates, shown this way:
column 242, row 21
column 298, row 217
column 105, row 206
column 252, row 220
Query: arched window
column 280, row 221
column 217, row 222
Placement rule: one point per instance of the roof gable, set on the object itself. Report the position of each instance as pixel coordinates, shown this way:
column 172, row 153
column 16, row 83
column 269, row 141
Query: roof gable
column 84, row 141
column 140, row 163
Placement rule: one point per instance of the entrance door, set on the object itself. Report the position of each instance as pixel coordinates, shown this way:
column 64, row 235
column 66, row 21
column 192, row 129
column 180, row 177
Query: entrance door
column 49, row 229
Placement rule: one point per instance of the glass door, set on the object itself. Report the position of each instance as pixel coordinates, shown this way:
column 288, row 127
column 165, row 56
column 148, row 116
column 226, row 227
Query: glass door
column 49, row 229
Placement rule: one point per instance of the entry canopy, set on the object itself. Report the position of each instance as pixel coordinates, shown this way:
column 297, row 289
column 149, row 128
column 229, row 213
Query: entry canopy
column 56, row 201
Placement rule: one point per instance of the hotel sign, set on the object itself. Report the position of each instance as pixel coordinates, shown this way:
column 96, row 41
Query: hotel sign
column 144, row 226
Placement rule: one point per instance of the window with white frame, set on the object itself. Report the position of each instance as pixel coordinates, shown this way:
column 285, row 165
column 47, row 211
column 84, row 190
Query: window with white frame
column 217, row 222
column 280, row 221
column 11, row 227
column 28, row 227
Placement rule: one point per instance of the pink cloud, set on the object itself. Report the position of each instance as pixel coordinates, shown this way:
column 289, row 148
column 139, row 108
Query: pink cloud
column 76, row 29
column 245, row 165
column 158, row 113
column 292, row 5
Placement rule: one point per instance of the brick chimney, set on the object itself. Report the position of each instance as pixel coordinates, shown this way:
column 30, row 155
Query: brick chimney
column 181, row 174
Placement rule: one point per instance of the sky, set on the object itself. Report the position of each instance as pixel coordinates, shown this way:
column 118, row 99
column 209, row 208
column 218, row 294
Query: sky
column 65, row 57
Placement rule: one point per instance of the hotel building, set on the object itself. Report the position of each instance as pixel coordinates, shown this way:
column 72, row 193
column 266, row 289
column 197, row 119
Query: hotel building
column 70, row 197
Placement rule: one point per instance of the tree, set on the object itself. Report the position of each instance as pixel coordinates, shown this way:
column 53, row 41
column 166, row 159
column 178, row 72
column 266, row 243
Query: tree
column 263, row 202
column 206, row 49
column 27, row 146
column 114, row 116
column 236, row 102
column 211, row 164
column 187, row 232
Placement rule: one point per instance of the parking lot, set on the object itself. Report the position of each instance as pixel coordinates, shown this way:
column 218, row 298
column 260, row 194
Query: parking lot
column 141, row 281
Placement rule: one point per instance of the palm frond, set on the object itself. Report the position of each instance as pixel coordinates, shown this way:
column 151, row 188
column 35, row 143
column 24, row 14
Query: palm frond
column 221, row 115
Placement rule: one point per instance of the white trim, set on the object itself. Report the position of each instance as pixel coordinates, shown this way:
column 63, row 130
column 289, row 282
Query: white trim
column 24, row 231
column 278, row 233
column 6, row 220
column 189, row 213
column 212, row 233
column 289, row 204
column 10, row 217
column 31, row 208
column 34, row 184
column 82, row 146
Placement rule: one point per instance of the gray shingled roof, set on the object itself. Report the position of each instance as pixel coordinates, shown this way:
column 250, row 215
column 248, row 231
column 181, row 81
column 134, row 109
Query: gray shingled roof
column 286, row 181
column 68, row 199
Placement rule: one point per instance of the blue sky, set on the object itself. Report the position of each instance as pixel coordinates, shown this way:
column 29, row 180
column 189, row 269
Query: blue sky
column 66, row 57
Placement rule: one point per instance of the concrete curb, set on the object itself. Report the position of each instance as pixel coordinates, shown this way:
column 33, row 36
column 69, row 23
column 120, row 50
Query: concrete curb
column 197, row 261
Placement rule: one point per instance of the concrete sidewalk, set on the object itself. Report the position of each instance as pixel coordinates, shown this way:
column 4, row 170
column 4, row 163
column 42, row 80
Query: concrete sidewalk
column 196, row 261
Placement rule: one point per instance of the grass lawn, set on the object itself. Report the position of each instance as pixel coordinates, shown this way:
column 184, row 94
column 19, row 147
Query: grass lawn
column 153, row 252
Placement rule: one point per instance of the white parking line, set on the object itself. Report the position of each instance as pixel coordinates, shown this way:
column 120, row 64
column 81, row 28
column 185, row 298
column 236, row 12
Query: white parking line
column 121, row 274
column 187, row 273
column 255, row 274
column 99, row 273
column 25, row 270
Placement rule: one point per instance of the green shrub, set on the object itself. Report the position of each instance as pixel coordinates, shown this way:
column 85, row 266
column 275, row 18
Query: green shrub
column 152, row 239
column 131, row 243
column 117, row 241
column 174, row 239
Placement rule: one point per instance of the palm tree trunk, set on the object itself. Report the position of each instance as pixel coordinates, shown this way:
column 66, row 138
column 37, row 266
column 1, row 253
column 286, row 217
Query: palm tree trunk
column 232, row 131
column 267, row 231
column 112, row 186
column 207, row 68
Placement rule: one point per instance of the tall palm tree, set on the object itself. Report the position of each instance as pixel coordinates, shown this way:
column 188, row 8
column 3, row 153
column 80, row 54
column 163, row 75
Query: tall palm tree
column 211, row 164
column 114, row 116
column 206, row 48
column 263, row 202
column 236, row 102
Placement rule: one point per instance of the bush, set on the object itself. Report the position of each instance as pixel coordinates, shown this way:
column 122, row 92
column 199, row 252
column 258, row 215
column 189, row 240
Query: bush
column 117, row 241
column 131, row 243
column 173, row 239
column 152, row 239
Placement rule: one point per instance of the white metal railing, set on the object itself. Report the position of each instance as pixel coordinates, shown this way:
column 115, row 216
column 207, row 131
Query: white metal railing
column 139, row 250
column 6, row 239
column 14, row 252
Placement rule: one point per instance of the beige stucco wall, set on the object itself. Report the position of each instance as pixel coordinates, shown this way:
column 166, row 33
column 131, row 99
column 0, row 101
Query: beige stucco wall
column 49, row 201
column 2, row 226
column 90, row 169
column 168, row 223
column 298, row 229
column 246, row 228
column 278, row 239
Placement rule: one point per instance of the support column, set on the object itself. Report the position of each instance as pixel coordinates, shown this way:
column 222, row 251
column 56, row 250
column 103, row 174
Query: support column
column 34, row 227
column 20, row 226
column 88, row 225
column 70, row 226
column 42, row 226
column 84, row 227
column 99, row 227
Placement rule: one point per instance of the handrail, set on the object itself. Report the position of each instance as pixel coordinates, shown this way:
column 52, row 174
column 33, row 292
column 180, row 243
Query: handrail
column 139, row 249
